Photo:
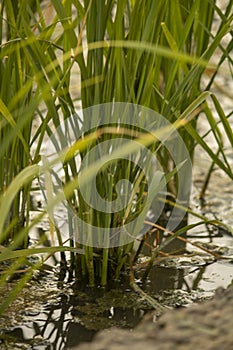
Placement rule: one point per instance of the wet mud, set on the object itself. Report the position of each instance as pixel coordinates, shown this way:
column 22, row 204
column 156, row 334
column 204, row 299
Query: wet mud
column 206, row 325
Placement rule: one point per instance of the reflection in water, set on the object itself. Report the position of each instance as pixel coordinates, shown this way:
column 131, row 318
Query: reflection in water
column 162, row 278
column 74, row 318
column 52, row 329
column 60, row 325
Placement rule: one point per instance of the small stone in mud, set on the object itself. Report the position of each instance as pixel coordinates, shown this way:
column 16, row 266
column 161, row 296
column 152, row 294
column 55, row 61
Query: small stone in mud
column 31, row 312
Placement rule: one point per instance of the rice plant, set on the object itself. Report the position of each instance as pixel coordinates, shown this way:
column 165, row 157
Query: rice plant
column 56, row 56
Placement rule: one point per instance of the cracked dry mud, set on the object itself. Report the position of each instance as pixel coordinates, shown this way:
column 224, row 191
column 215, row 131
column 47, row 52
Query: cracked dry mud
column 206, row 325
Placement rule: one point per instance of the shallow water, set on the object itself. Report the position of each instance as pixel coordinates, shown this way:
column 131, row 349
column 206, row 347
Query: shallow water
column 50, row 314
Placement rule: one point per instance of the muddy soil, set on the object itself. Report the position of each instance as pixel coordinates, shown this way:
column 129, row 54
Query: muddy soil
column 207, row 325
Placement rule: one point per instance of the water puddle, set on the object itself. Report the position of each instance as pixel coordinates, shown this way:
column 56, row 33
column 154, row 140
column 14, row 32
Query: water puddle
column 55, row 315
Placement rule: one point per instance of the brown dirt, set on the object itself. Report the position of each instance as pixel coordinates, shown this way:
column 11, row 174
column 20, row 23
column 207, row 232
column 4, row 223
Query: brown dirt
column 207, row 325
